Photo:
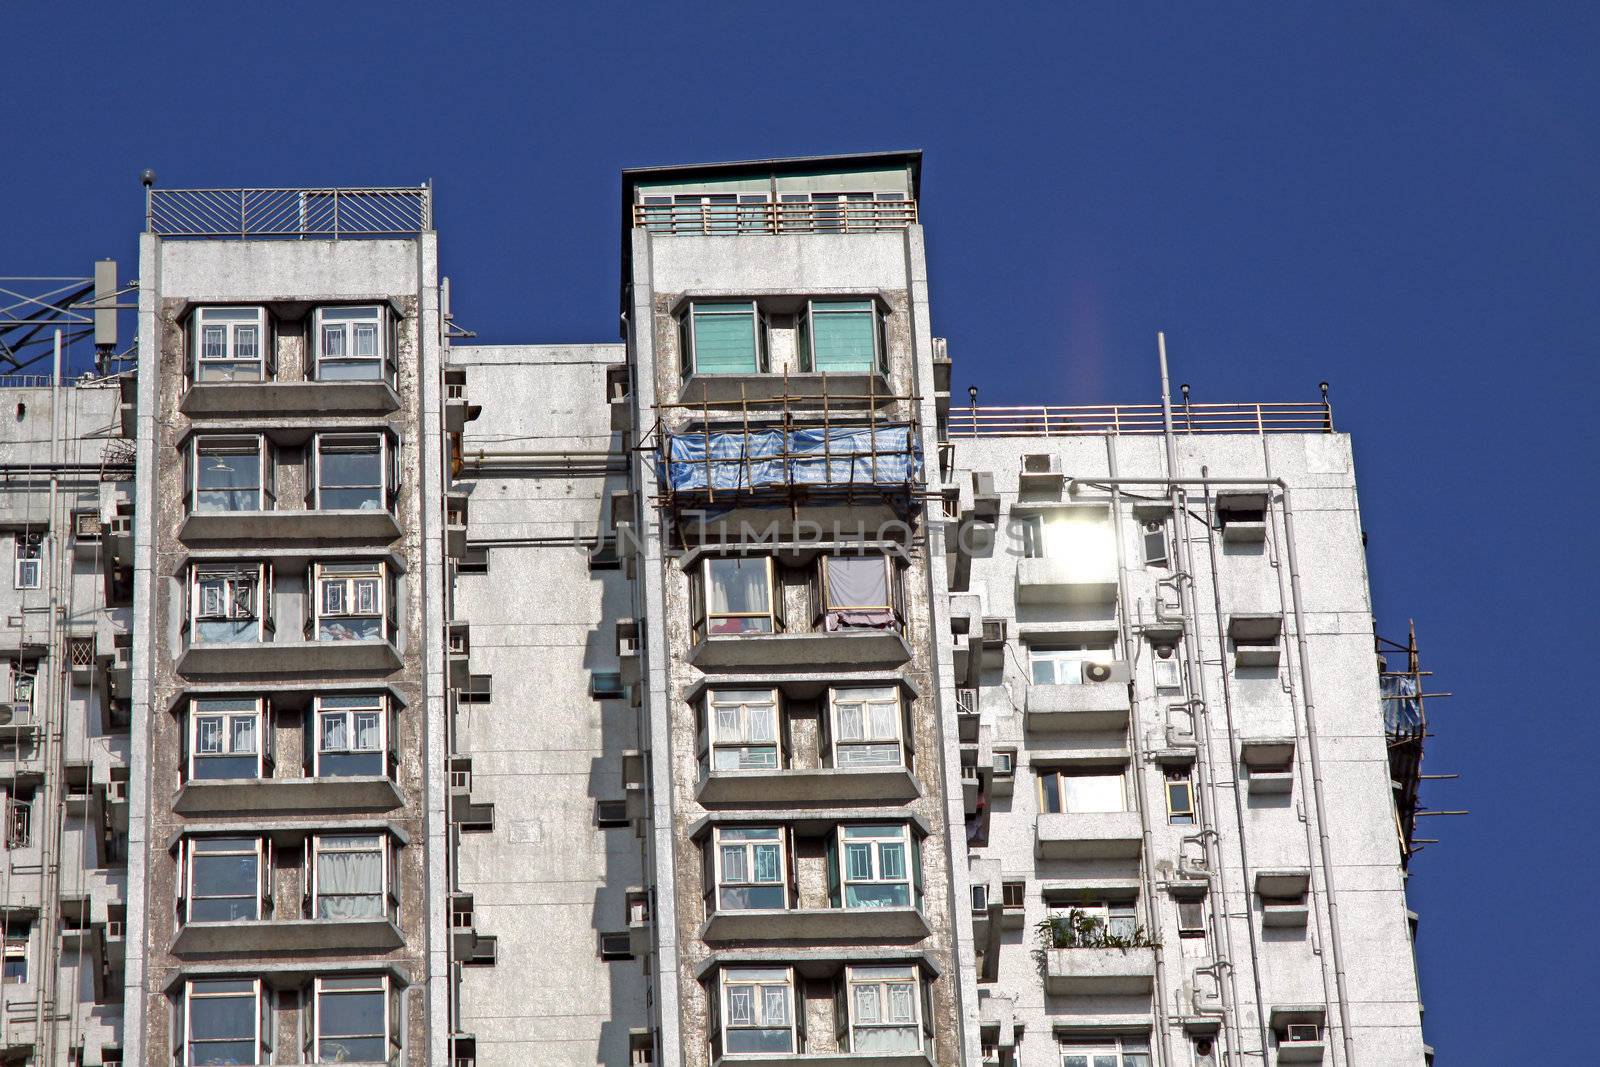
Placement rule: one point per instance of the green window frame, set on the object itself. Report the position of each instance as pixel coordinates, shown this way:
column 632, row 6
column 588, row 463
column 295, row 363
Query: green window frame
column 841, row 337
column 723, row 337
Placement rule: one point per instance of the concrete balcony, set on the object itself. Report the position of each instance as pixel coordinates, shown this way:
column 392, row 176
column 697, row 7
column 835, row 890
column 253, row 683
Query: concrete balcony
column 365, row 525
column 1089, row 706
column 816, row 924
column 810, row 786
column 839, row 651
column 289, row 398
column 1063, row 581
column 243, row 796
column 1100, row 971
column 1088, row 836
column 287, row 657
column 287, row 935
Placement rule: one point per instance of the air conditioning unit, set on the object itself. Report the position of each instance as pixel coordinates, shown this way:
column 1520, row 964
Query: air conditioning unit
column 994, row 631
column 966, row 702
column 1098, row 673
column 1040, row 470
column 1005, row 764
column 1303, row 1032
column 86, row 525
column 16, row 714
column 980, row 899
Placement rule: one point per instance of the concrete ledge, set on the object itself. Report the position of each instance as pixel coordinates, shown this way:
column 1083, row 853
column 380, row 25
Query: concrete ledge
column 1091, row 835
column 815, row 924
column 1284, row 916
column 1090, row 706
column 835, row 1059
column 288, row 657
column 1060, row 581
column 1301, row 1051
column 221, row 796
column 363, row 525
column 809, row 786
column 288, row 935
column 1267, row 783
column 1106, row 971
column 845, row 649
column 289, row 398
column 728, row 388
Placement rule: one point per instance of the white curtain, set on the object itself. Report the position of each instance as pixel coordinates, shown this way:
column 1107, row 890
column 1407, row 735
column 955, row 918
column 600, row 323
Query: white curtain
column 350, row 885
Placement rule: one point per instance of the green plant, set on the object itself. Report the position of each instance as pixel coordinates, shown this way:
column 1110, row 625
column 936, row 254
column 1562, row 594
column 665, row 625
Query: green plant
column 1079, row 929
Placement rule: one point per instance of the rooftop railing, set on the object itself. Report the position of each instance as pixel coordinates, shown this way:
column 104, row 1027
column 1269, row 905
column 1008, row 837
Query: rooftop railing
column 1118, row 419
column 768, row 217
column 289, row 213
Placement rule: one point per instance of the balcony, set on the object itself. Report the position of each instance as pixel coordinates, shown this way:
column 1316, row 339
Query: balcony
column 780, row 217
column 810, row 785
column 243, row 796
column 287, row 657
column 1064, row 581
column 841, row 650
column 287, row 935
column 365, row 525
column 213, row 399
column 1088, row 706
column 1100, row 971
column 815, row 924
column 1088, row 835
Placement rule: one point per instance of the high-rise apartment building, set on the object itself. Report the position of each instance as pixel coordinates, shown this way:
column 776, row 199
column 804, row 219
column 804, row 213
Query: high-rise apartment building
column 719, row 696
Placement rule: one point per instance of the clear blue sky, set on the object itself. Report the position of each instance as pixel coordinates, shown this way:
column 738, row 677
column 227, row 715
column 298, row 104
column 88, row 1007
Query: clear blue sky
column 1400, row 199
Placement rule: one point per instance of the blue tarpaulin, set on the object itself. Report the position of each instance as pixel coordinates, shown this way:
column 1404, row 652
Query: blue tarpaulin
column 1402, row 711
column 738, row 460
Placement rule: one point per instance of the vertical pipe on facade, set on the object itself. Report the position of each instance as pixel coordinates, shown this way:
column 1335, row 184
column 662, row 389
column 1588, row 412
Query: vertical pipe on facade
column 54, row 731
column 1136, row 758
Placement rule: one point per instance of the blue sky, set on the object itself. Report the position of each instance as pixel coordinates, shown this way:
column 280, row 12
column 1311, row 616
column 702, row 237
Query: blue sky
column 1399, row 199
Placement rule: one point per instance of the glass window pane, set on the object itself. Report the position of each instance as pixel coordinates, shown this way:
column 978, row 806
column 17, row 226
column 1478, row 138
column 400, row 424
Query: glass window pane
column 857, row 861
column 332, row 342
column 1093, row 792
column 842, row 337
column 866, row 1004
column 733, row 864
column 741, row 1005
column 724, row 339
column 892, row 860
column 738, row 586
column 766, row 863
column 243, row 734
column 775, row 1005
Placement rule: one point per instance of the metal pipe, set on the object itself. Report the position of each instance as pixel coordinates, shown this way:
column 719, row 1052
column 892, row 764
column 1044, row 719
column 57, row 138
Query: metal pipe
column 54, row 737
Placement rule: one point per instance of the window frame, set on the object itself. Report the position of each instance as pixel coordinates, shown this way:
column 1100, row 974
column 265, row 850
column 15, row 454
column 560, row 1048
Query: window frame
column 1167, row 669
column 192, row 731
column 232, row 575
column 29, row 548
column 712, row 741
column 878, row 363
column 261, row 851
column 381, row 984
column 876, row 835
column 230, row 325
column 1037, row 543
column 828, row 613
column 881, row 977
column 1058, row 773
column 388, row 891
column 1180, row 778
column 719, row 840
column 380, row 705
column 704, row 619
column 688, row 342
column 761, row 979
column 17, row 948
column 1129, row 1051
column 229, row 444
column 258, row 1009
column 1057, row 656
column 388, row 469
column 347, row 574
column 870, row 737
column 345, row 318
column 1107, row 910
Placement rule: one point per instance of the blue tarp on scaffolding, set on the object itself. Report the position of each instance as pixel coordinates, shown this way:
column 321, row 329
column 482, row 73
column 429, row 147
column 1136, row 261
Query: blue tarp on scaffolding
column 1402, row 710
column 836, row 457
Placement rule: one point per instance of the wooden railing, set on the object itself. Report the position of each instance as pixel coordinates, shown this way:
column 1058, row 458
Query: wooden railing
column 735, row 220
column 1092, row 420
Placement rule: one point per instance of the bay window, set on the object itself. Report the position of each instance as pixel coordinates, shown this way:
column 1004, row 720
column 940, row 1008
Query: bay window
column 884, row 1006
column 1106, row 1052
column 230, row 344
column 227, row 602
column 1080, row 535
column 1065, row 665
column 876, row 864
column 749, row 868
column 757, row 1010
column 225, row 1021
column 1075, row 791
column 841, row 337
column 857, row 592
column 225, row 738
column 355, row 1020
column 225, row 879
column 723, row 337
column 351, row 736
column 867, row 725
column 351, row 344
column 736, row 595
column 1086, row 923
column 352, row 472
column 743, row 730
column 350, row 876
column 229, row 474
column 350, row 601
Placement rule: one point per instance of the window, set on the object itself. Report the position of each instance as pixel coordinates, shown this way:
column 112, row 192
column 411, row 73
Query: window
column 606, row 685
column 723, row 337
column 876, row 863
column 1168, row 668
column 835, row 212
column 856, row 593
column 1153, row 536
column 30, row 564
column 757, row 1010
column 223, row 1022
column 611, row 814
column 350, row 344
column 750, row 868
column 883, row 1005
column 225, row 738
column 349, row 473
column 228, row 473
column 1065, row 665
column 738, row 595
column 350, row 876
column 230, row 344
column 19, row 817
column 225, row 879
column 1096, row 919
column 24, row 678
column 354, row 1020
column 866, row 727
column 1013, row 895
column 18, row 934
column 1191, row 916
column 1106, row 1052
column 707, row 213
column 350, row 602
column 1180, row 796
column 1082, row 791
column 350, row 736
column 744, row 729
column 226, row 604
column 1080, row 535
column 841, row 336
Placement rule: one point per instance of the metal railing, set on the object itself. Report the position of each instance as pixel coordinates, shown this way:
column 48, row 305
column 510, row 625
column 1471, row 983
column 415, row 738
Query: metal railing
column 289, row 213
column 1118, row 419
column 735, row 220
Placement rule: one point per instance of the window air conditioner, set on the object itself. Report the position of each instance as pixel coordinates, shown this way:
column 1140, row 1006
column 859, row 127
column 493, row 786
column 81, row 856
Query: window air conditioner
column 1040, row 463
column 1005, row 764
column 994, row 631
column 1304, row 1032
column 16, row 714
column 980, row 899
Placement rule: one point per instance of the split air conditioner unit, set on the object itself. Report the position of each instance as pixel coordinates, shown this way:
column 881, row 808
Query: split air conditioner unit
column 16, row 714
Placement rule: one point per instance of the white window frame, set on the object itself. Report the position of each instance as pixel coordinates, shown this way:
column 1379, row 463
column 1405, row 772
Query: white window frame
column 380, row 984
column 342, row 322
column 1194, row 907
column 885, row 833
column 386, row 467
column 719, row 841
column 1125, row 1051
column 321, row 845
column 346, row 577
column 1065, row 662
column 260, row 850
column 879, row 979
column 379, row 707
column 871, row 696
column 197, row 712
column 762, row 979
column 825, row 596
column 230, row 444
column 1061, row 774
column 742, row 703
column 233, row 576
column 706, row 618
column 29, row 570
column 229, row 320
column 190, row 996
